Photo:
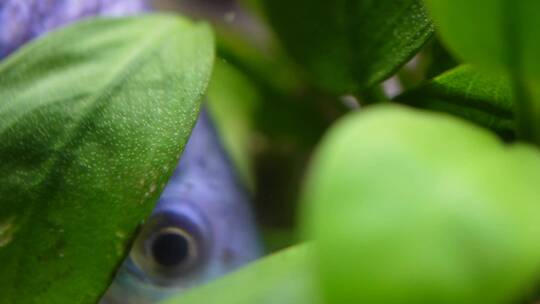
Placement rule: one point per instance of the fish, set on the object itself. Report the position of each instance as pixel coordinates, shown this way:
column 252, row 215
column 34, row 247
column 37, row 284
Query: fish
column 202, row 228
column 203, row 225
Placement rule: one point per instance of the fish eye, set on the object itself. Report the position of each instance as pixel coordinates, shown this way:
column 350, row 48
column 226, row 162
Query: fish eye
column 171, row 246
column 174, row 247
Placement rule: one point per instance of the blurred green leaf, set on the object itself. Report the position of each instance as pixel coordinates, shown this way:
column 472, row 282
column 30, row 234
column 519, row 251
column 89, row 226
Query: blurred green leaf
column 232, row 101
column 282, row 278
column 407, row 206
column 348, row 46
column 262, row 62
column 485, row 99
column 93, row 119
column 492, row 33
column 289, row 118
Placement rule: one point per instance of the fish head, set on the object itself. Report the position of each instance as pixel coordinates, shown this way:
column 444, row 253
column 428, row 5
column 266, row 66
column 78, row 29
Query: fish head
column 202, row 227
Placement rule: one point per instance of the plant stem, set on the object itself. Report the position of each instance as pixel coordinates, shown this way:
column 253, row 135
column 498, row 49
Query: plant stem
column 523, row 109
column 525, row 112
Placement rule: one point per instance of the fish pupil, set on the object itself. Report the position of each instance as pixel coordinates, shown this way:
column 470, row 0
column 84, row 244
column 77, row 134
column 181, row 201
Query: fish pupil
column 170, row 249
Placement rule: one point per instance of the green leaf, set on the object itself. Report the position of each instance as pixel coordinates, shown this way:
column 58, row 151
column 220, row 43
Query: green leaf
column 232, row 100
column 350, row 45
column 93, row 119
column 485, row 99
column 262, row 62
column 408, row 206
column 499, row 35
column 492, row 33
column 282, row 278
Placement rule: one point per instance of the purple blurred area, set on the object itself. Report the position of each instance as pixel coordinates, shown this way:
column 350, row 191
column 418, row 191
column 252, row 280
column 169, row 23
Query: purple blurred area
column 23, row 20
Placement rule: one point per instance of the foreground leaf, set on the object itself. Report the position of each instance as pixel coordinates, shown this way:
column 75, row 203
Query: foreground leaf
column 409, row 206
column 93, row 119
column 484, row 99
column 283, row 278
column 350, row 45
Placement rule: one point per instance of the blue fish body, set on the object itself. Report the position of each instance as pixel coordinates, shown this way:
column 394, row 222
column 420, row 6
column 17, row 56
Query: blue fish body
column 24, row 20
